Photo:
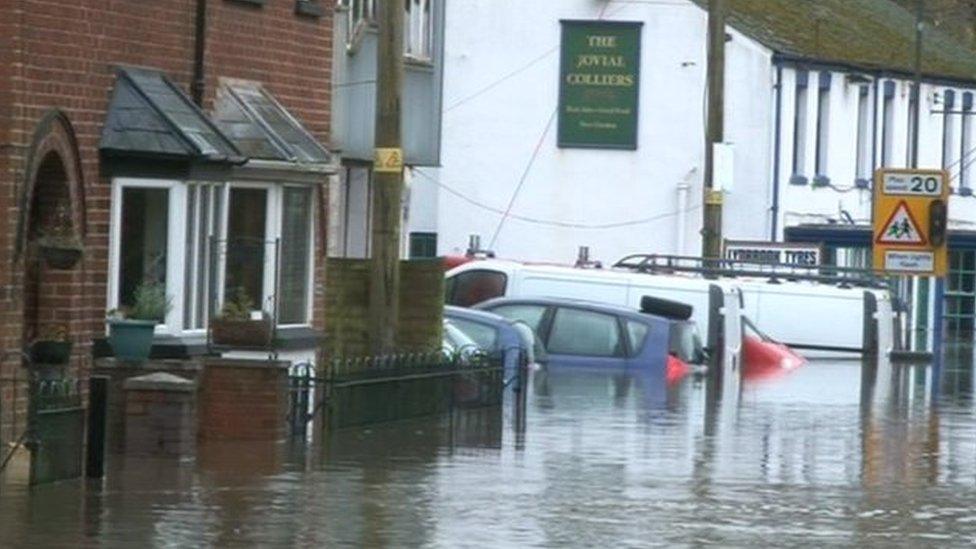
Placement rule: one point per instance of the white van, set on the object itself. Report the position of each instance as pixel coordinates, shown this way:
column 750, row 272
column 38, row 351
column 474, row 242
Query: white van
column 804, row 315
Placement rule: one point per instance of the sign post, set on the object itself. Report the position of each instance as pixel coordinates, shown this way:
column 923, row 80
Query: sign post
column 910, row 225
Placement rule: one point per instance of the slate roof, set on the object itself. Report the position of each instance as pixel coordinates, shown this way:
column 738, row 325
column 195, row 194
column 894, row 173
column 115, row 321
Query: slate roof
column 866, row 34
column 149, row 116
column 262, row 128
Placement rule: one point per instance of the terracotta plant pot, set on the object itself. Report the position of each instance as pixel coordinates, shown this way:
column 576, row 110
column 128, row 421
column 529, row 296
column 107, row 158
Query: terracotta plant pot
column 241, row 333
column 60, row 257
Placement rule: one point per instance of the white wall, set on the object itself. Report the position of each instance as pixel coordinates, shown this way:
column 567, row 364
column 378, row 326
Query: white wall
column 806, row 204
column 501, row 90
column 492, row 125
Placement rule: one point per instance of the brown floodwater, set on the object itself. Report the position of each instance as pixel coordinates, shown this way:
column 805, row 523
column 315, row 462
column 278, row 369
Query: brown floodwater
column 824, row 456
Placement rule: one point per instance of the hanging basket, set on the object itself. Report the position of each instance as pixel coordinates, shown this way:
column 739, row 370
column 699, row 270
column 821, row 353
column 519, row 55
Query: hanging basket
column 50, row 352
column 241, row 333
column 59, row 257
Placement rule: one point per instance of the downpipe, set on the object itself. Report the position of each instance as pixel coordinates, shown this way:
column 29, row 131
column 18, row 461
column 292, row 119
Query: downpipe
column 684, row 191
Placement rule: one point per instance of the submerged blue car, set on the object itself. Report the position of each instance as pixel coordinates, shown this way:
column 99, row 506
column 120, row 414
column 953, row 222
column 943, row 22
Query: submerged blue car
column 597, row 336
column 494, row 334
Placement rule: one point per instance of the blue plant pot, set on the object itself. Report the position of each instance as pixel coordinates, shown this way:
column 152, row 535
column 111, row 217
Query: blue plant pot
column 131, row 339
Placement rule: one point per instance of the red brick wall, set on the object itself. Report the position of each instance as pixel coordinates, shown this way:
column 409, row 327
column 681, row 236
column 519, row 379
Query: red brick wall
column 66, row 51
column 243, row 400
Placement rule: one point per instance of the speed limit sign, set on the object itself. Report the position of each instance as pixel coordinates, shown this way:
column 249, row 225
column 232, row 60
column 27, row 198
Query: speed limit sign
column 910, row 218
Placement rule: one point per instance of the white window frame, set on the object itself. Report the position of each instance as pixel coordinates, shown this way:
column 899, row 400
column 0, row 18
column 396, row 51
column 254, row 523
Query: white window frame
column 418, row 28
column 178, row 203
column 863, row 148
column 175, row 238
column 801, row 100
column 310, row 259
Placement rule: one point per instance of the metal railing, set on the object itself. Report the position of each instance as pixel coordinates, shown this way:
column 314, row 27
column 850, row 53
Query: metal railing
column 358, row 391
column 732, row 268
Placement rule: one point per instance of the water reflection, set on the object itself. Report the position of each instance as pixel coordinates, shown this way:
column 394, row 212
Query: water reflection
column 835, row 453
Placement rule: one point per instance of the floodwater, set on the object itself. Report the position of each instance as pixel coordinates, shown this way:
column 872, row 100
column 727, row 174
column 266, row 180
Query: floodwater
column 814, row 458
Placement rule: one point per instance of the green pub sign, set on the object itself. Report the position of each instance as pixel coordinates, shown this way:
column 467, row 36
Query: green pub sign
column 599, row 86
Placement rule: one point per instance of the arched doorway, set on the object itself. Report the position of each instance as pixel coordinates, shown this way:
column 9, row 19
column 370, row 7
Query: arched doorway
column 50, row 296
column 43, row 406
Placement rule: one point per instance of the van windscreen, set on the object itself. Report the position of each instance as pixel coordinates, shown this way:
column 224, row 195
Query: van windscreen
column 472, row 287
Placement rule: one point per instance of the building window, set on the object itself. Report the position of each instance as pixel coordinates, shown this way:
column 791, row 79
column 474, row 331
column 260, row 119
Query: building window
column 144, row 241
column 966, row 139
column 423, row 245
column 823, row 124
column 961, row 295
column 863, row 160
column 183, row 235
column 355, row 212
column 888, row 124
column 204, row 217
column 948, row 130
column 910, row 135
column 800, row 125
column 418, row 30
column 296, row 254
column 247, row 244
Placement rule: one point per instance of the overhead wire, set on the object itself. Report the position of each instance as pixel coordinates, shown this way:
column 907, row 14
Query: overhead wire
column 548, row 222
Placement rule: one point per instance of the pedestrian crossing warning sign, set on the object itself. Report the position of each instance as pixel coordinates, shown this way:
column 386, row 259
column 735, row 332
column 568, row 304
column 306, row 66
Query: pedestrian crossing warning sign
column 909, row 222
column 901, row 228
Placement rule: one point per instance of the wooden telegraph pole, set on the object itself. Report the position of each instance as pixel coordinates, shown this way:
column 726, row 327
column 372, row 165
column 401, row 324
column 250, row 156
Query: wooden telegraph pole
column 715, row 129
column 384, row 283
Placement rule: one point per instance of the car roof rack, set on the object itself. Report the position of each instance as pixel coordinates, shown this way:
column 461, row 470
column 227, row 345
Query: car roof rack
column 775, row 272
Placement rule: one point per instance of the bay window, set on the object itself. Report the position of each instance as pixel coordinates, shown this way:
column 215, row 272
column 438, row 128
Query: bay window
column 203, row 241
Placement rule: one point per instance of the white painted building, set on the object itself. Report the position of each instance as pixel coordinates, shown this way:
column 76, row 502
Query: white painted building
column 817, row 97
column 501, row 93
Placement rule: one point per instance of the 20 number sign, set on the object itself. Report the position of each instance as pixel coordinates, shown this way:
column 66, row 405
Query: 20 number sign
column 912, row 185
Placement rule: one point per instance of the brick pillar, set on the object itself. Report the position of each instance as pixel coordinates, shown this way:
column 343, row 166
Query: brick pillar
column 120, row 371
column 160, row 416
column 243, row 400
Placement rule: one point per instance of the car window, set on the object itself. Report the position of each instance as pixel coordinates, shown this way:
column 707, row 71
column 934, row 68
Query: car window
column 636, row 333
column 529, row 314
column 455, row 339
column 484, row 336
column 578, row 332
column 472, row 287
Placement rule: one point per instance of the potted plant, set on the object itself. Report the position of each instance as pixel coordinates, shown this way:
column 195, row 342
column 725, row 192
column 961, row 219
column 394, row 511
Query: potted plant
column 57, row 243
column 52, row 346
column 131, row 329
column 234, row 326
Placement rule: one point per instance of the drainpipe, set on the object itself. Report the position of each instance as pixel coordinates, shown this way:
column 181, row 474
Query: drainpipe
column 777, row 142
column 198, row 83
column 684, row 192
column 874, row 131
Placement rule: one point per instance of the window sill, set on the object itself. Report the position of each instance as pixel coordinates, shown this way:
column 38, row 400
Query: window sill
column 309, row 8
column 195, row 343
column 418, row 62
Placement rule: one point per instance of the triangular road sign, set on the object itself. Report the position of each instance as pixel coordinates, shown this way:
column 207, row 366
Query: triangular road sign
column 901, row 228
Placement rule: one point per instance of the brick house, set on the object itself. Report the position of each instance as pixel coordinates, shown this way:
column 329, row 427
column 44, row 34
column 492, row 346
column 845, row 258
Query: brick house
column 160, row 132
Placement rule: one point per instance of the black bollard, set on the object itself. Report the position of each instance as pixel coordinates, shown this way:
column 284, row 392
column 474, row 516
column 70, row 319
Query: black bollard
column 97, row 415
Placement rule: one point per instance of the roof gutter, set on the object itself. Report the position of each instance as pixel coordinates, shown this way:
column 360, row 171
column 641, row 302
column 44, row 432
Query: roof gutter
column 780, row 58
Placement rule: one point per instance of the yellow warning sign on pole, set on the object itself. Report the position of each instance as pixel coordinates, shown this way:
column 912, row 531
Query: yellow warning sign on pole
column 910, row 218
column 388, row 161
